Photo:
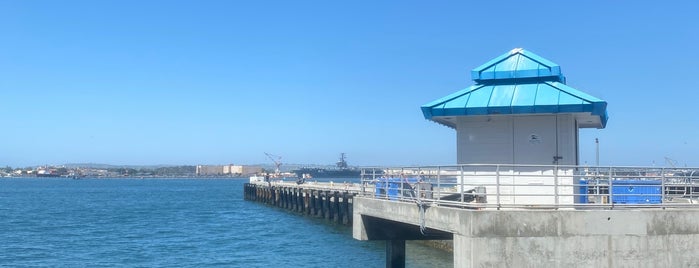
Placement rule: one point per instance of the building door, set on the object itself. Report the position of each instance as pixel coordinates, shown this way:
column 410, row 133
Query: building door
column 535, row 140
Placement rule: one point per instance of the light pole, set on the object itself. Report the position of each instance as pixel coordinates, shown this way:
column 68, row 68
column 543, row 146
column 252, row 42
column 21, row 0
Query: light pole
column 597, row 152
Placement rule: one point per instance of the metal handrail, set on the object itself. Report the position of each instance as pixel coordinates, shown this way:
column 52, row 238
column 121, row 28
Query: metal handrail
column 538, row 186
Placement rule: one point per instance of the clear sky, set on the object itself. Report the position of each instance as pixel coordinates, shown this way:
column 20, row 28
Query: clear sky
column 218, row 82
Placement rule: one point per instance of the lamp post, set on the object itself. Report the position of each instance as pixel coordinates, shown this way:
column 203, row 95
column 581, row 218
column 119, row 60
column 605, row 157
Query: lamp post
column 597, row 152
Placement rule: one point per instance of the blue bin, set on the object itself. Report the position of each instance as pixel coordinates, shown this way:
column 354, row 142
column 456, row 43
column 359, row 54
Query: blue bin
column 582, row 190
column 391, row 187
column 637, row 191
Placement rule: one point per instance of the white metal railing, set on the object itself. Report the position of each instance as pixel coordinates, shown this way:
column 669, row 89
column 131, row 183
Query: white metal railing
column 535, row 186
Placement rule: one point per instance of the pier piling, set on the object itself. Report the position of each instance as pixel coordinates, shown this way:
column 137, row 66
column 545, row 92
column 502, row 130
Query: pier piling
column 333, row 205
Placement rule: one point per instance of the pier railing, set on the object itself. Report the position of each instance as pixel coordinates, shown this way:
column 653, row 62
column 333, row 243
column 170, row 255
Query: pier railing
column 535, row 186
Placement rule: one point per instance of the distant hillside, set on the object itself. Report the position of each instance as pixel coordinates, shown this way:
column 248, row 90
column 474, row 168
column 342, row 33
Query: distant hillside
column 108, row 166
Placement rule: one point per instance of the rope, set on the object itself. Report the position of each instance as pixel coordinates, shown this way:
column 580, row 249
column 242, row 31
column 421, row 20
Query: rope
column 421, row 207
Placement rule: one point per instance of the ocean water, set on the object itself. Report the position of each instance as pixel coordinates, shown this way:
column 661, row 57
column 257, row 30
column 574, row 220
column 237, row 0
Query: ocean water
column 56, row 222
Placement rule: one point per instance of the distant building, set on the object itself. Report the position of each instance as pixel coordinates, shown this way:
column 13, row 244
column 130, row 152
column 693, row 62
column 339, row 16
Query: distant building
column 209, row 170
column 227, row 170
column 249, row 170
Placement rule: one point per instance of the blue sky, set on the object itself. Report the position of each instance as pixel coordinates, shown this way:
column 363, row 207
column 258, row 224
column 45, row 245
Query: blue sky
column 214, row 82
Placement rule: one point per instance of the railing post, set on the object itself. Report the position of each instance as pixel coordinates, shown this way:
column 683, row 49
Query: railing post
column 373, row 179
column 662, row 188
column 691, row 184
column 598, row 194
column 401, row 194
column 439, row 177
column 610, row 191
column 362, row 181
column 386, row 187
column 555, row 185
column 497, row 185
column 461, row 182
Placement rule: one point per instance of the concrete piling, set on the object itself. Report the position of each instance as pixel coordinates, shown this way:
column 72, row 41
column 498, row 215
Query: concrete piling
column 312, row 203
column 326, row 205
column 335, row 207
column 319, row 203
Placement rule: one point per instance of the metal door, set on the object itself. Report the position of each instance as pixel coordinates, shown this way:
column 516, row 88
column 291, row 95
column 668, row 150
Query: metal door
column 535, row 140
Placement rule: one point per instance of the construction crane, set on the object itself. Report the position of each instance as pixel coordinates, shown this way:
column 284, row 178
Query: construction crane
column 671, row 162
column 277, row 162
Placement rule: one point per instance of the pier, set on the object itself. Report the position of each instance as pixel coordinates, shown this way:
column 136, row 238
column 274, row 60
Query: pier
column 331, row 201
column 518, row 196
column 509, row 215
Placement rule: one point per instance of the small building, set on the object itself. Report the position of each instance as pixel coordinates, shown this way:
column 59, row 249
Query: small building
column 520, row 111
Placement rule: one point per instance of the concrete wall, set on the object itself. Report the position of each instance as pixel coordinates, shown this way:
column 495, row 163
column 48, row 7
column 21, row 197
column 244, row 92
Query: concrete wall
column 551, row 238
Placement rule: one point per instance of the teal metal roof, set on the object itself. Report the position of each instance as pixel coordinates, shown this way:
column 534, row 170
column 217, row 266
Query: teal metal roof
column 519, row 82
column 518, row 64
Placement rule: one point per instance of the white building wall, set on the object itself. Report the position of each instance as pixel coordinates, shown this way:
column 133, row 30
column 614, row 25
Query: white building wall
column 484, row 140
column 567, row 140
column 520, row 139
column 522, row 186
column 507, row 139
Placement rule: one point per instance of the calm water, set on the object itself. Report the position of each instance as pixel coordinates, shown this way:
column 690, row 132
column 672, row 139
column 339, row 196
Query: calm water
column 171, row 222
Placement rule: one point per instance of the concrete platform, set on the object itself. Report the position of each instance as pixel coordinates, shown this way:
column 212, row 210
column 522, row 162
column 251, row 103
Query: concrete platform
column 541, row 238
